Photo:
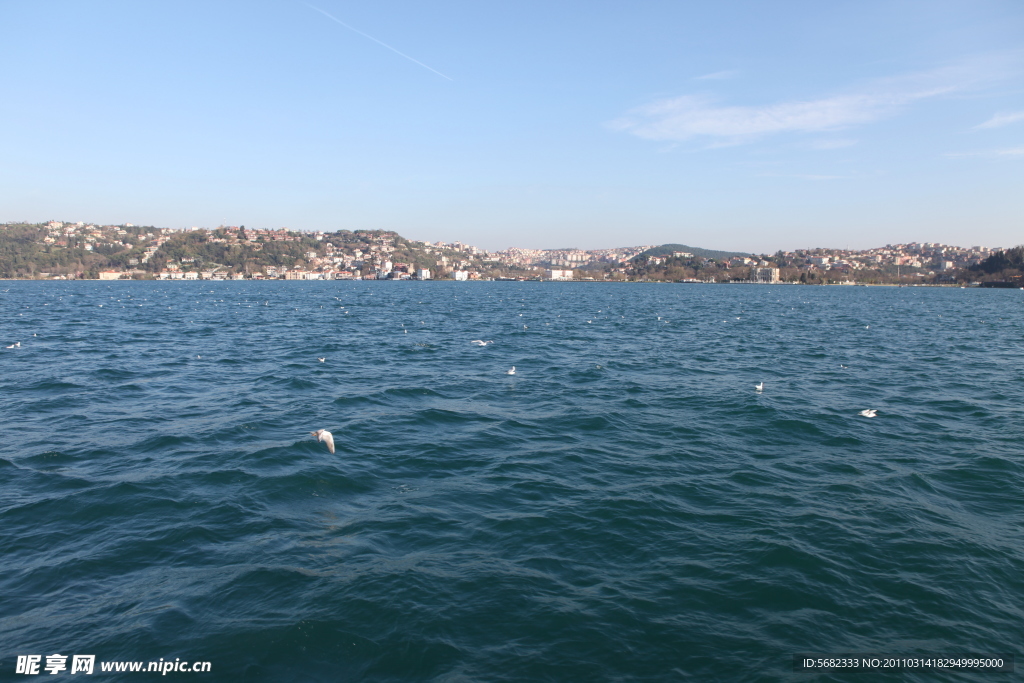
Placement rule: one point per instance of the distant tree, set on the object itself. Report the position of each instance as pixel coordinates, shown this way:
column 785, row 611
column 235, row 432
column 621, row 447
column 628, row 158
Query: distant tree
column 1007, row 259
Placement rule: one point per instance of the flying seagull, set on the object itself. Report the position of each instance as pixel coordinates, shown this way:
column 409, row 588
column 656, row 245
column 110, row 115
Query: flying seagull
column 870, row 412
column 326, row 437
column 480, row 342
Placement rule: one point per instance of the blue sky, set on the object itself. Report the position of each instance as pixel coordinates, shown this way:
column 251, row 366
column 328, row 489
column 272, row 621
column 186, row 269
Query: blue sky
column 752, row 126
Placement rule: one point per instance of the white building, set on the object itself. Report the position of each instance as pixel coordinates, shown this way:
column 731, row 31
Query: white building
column 460, row 275
column 423, row 273
column 559, row 274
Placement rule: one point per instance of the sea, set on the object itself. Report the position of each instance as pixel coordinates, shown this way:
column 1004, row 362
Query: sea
column 626, row 506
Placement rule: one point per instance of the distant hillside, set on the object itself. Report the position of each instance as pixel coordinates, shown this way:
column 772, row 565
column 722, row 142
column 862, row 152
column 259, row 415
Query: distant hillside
column 667, row 249
column 1007, row 259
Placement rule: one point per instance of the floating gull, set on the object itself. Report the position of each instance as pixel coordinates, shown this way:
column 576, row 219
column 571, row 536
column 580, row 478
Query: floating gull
column 322, row 435
column 480, row 342
column 759, row 386
column 322, row 360
column 512, row 371
column 870, row 412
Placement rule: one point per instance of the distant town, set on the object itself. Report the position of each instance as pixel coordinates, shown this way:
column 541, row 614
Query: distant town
column 59, row 250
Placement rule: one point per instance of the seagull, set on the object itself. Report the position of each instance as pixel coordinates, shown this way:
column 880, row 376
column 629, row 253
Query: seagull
column 322, row 360
column 326, row 437
column 759, row 386
column 480, row 342
column 870, row 412
column 512, row 371
column 11, row 346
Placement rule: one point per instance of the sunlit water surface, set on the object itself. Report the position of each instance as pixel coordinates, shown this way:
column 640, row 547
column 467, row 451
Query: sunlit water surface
column 625, row 507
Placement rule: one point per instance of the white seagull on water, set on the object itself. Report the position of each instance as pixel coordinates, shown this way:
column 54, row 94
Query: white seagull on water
column 512, row 371
column 322, row 360
column 759, row 386
column 480, row 342
column 870, row 412
column 326, row 437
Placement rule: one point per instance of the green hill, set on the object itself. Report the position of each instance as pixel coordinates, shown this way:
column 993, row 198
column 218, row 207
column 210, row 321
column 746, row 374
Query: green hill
column 668, row 249
column 1007, row 259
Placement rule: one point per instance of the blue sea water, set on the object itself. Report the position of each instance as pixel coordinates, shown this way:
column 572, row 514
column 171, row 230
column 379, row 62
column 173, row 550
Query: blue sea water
column 626, row 507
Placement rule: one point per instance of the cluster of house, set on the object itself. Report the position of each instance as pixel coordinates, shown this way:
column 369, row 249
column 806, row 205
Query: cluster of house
column 460, row 261
column 564, row 258
column 89, row 236
column 921, row 255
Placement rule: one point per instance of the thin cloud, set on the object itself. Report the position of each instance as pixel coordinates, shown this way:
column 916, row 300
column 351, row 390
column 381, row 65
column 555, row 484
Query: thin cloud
column 1002, row 120
column 379, row 42
column 1011, row 152
column 833, row 144
column 805, row 176
column 701, row 116
column 717, row 76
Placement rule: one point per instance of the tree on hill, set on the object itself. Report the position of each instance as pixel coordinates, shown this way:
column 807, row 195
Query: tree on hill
column 1001, row 261
column 698, row 252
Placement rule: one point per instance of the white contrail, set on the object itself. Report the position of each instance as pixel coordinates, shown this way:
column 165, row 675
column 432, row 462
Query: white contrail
column 365, row 35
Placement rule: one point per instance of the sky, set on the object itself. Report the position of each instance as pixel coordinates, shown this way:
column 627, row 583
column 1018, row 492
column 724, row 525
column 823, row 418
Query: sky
column 746, row 126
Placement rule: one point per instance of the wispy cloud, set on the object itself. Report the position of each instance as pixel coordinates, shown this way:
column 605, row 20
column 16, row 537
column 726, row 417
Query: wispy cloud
column 1011, row 152
column 1002, row 120
column 833, row 143
column 701, row 116
column 805, row 176
column 379, row 42
column 717, row 76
